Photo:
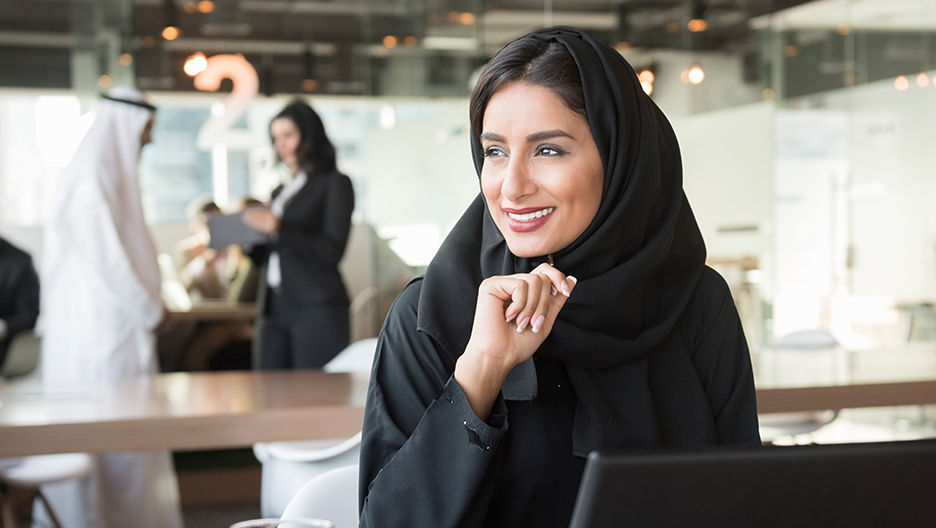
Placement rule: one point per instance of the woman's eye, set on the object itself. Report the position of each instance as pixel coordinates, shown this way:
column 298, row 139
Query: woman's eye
column 550, row 150
column 493, row 152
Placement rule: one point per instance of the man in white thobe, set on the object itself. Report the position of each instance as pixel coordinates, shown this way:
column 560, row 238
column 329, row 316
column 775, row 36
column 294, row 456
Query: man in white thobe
column 101, row 305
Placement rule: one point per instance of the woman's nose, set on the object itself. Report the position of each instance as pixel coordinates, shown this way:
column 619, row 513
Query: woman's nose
column 517, row 181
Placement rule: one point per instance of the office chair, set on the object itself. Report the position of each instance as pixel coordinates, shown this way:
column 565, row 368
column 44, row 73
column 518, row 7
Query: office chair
column 777, row 426
column 332, row 496
column 286, row 466
column 20, row 480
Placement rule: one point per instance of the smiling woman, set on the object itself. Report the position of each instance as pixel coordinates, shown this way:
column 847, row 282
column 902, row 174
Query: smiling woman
column 542, row 175
column 571, row 300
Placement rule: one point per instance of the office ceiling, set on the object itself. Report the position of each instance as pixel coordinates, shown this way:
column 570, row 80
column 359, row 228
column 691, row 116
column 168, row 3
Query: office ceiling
column 348, row 46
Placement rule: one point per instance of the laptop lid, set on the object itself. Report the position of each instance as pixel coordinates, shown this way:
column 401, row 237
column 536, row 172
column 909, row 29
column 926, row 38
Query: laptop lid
column 853, row 485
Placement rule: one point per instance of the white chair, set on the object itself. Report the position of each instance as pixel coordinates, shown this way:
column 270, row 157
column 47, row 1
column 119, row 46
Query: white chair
column 823, row 369
column 29, row 473
column 289, row 465
column 332, row 496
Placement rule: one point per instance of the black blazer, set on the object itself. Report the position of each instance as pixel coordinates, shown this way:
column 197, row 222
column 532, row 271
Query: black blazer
column 311, row 241
column 19, row 293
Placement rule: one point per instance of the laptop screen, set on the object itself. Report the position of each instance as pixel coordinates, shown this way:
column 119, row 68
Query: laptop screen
column 873, row 484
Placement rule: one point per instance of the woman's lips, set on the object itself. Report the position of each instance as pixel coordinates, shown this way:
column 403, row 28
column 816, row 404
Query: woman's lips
column 528, row 219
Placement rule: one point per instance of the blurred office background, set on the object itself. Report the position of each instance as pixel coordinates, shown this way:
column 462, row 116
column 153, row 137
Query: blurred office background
column 807, row 128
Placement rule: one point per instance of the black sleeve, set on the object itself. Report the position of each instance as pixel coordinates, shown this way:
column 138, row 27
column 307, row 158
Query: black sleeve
column 25, row 299
column 326, row 245
column 424, row 453
column 723, row 362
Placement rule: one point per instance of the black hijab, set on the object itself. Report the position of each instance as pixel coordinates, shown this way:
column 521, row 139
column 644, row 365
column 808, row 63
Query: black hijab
column 637, row 263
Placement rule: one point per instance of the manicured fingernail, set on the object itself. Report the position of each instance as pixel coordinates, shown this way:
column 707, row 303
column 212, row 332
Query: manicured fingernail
column 511, row 318
column 538, row 323
column 523, row 324
column 552, row 291
column 565, row 285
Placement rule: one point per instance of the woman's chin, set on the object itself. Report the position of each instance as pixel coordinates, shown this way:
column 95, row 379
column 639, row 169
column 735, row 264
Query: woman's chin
column 528, row 250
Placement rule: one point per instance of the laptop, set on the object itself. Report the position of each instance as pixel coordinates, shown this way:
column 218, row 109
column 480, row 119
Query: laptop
column 841, row 485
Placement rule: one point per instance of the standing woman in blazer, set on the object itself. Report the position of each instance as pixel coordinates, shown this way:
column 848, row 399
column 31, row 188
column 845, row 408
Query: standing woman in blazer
column 304, row 318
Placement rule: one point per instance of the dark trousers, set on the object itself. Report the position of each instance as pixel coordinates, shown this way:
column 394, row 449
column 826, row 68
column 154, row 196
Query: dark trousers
column 300, row 339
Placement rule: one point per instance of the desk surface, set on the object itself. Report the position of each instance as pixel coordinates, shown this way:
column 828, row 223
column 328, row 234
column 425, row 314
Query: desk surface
column 790, row 380
column 187, row 411
column 203, row 311
column 179, row 411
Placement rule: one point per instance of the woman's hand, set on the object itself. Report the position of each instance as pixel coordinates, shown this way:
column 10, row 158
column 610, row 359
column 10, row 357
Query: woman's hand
column 262, row 219
column 513, row 316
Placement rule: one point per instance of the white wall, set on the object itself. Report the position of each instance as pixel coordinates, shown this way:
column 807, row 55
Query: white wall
column 727, row 167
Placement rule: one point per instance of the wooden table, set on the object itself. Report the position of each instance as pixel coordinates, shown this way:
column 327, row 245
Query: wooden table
column 189, row 411
column 215, row 311
column 809, row 380
column 179, row 411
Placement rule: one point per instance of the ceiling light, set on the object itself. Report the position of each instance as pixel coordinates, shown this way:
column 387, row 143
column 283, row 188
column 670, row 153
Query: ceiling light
column 195, row 64
column 696, row 74
column 206, row 6
column 171, row 30
column 309, row 83
column 646, row 78
column 697, row 24
column 104, row 81
column 901, row 83
column 922, row 80
column 390, row 41
column 171, row 33
column 126, row 59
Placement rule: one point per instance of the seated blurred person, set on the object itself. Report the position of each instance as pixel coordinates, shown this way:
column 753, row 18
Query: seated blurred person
column 19, row 295
column 204, row 271
column 215, row 275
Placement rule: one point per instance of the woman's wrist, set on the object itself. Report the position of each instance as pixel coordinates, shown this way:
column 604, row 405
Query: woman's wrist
column 480, row 377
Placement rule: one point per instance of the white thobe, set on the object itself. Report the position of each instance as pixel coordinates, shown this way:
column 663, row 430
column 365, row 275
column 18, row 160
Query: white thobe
column 100, row 304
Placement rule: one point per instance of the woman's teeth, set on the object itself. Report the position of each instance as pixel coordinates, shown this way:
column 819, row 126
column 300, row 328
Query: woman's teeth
column 531, row 216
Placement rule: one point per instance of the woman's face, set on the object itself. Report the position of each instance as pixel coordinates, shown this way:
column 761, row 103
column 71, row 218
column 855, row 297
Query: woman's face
column 542, row 175
column 286, row 140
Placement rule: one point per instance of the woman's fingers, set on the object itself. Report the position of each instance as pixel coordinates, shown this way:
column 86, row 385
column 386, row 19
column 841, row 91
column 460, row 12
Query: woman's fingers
column 516, row 291
column 542, row 305
column 531, row 300
column 561, row 282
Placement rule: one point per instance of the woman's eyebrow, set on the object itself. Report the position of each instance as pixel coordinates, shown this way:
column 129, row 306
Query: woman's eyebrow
column 549, row 134
column 538, row 136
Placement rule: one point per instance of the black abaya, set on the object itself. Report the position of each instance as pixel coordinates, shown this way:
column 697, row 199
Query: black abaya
column 427, row 460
